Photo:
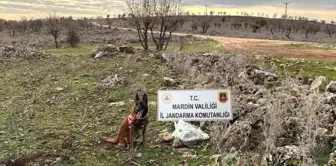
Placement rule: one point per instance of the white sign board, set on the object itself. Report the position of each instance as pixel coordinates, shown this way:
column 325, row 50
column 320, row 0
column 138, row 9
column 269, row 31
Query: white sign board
column 194, row 105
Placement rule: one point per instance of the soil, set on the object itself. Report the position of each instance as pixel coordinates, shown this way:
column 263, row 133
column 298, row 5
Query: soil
column 270, row 47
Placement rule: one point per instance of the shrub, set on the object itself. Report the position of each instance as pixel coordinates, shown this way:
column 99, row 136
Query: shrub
column 73, row 37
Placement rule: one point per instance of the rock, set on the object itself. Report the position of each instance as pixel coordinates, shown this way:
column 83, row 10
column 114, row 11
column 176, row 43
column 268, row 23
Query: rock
column 262, row 101
column 236, row 135
column 104, row 51
column 188, row 133
column 287, row 155
column 110, row 48
column 331, row 87
column 177, row 143
column 138, row 155
column 113, row 80
column 166, row 137
column 208, row 54
column 121, row 103
column 146, row 75
column 260, row 76
column 99, row 55
column 59, row 89
column 194, row 61
column 319, row 85
column 321, row 132
column 330, row 99
column 9, row 48
column 169, row 82
column 188, row 155
column 126, row 49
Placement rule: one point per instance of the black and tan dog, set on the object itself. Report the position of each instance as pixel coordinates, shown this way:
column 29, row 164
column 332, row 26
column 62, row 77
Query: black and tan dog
column 132, row 125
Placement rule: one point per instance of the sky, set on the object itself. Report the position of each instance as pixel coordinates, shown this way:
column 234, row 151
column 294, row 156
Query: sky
column 16, row 9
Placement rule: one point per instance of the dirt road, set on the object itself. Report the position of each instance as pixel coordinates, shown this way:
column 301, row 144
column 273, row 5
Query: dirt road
column 265, row 47
column 272, row 47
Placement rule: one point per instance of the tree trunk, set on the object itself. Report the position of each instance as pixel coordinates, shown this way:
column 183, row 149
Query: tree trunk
column 146, row 38
column 288, row 33
column 154, row 40
column 56, row 42
column 168, row 40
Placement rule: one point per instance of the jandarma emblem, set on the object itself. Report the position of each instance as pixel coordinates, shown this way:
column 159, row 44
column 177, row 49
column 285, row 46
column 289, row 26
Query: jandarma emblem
column 223, row 97
column 167, row 98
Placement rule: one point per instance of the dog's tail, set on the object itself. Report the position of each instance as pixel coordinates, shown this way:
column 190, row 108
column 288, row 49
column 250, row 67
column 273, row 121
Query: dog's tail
column 109, row 139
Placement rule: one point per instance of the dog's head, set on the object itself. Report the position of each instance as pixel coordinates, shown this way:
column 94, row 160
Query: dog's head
column 141, row 106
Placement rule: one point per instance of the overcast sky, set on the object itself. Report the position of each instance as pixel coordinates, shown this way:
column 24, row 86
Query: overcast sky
column 15, row 9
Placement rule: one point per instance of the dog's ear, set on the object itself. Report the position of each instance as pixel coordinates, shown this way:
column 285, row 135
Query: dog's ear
column 145, row 98
column 137, row 98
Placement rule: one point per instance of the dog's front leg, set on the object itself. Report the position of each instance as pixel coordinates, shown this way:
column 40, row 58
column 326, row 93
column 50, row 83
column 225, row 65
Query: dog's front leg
column 131, row 139
column 144, row 135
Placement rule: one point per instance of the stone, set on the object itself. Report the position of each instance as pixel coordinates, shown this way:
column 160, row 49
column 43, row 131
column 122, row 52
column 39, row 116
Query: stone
column 115, row 80
column 262, row 101
column 321, row 132
column 194, row 61
column 319, row 85
column 102, row 51
column 169, row 82
column 287, row 155
column 331, row 87
column 330, row 99
column 110, row 48
column 166, row 137
column 139, row 155
column 189, row 134
column 260, row 76
column 126, row 49
column 99, row 55
column 9, row 48
column 177, row 143
column 59, row 89
column 120, row 103
column 189, row 155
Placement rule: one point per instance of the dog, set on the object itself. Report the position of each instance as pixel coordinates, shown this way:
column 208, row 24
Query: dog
column 131, row 126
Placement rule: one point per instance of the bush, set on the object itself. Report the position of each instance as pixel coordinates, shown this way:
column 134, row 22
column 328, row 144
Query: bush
column 73, row 37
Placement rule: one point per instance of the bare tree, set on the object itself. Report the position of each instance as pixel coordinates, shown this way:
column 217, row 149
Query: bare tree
column 54, row 27
column 108, row 21
column 205, row 23
column 23, row 25
column 194, row 26
column 11, row 27
column 167, row 13
column 72, row 36
column 36, row 25
column 2, row 24
column 330, row 30
column 141, row 12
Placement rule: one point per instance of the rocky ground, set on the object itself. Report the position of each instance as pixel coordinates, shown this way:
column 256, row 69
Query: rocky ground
column 284, row 118
column 56, row 107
